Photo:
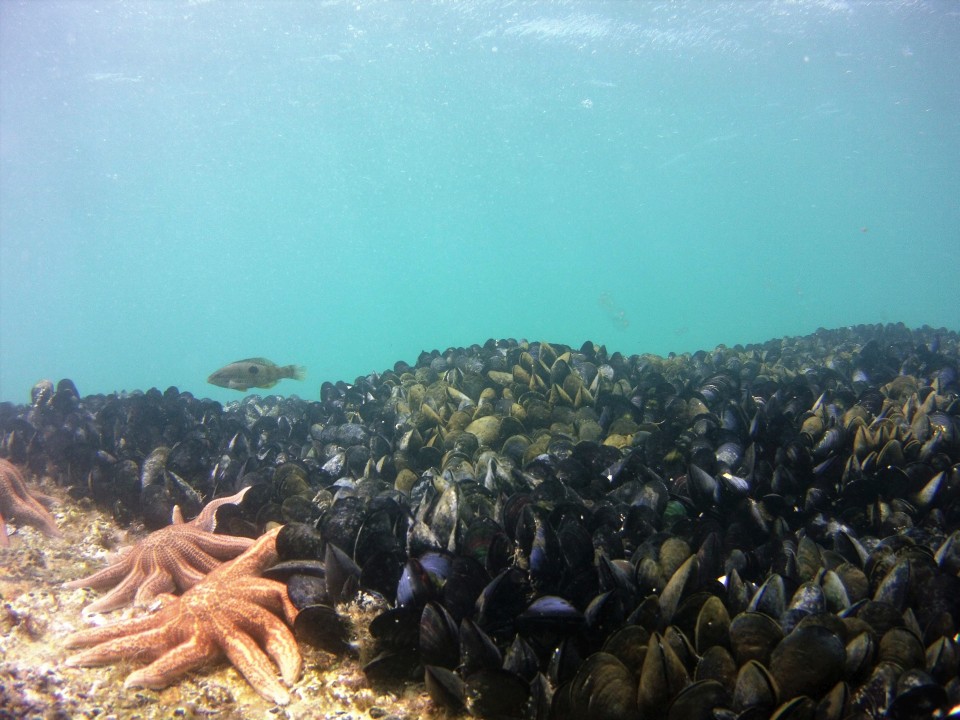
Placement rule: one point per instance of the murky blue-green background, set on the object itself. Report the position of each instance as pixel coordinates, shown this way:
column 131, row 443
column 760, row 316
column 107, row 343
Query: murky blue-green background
column 341, row 185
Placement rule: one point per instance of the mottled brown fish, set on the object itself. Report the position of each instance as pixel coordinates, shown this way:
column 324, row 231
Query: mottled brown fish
column 254, row 372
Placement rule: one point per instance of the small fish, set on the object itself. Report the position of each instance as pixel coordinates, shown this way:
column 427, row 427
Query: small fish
column 253, row 372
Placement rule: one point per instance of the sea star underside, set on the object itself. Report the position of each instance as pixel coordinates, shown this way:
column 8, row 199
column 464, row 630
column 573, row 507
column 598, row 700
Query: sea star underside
column 231, row 612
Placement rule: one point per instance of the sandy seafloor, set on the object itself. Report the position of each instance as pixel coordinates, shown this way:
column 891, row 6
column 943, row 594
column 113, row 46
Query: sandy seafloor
column 37, row 613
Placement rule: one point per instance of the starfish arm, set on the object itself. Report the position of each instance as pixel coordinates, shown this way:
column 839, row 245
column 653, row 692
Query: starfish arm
column 271, row 594
column 250, row 660
column 174, row 664
column 132, row 626
column 186, row 575
column 207, row 519
column 14, row 478
column 184, row 564
column 195, row 560
column 261, row 624
column 36, row 515
column 222, row 547
column 157, row 582
column 282, row 647
column 107, row 577
column 230, row 610
column 262, row 554
column 29, row 512
column 20, row 504
column 46, row 500
column 143, row 646
column 120, row 595
column 173, row 558
column 4, row 540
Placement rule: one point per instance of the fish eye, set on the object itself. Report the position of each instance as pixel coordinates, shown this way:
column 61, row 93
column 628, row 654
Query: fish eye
column 253, row 369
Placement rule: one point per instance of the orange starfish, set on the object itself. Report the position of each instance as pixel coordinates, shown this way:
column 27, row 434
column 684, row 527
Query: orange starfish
column 231, row 612
column 19, row 503
column 173, row 558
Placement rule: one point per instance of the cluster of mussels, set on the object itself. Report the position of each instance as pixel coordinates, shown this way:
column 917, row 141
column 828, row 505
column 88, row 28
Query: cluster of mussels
column 769, row 531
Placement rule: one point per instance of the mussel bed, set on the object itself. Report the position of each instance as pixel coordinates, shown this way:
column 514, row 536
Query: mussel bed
column 761, row 531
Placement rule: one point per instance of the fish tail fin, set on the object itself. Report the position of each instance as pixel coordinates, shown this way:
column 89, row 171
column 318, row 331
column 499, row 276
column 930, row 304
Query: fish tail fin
column 295, row 372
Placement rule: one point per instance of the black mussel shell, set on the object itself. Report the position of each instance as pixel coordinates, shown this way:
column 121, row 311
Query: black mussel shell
column 381, row 574
column 501, row 601
column 605, row 689
column 521, row 659
column 698, row 701
column 808, row 661
column 305, row 590
column 464, row 582
column 342, row 573
column 439, row 637
column 496, row 693
column 398, row 630
column 564, row 661
column 320, row 626
column 297, row 541
column 755, row 531
column 446, row 689
column 477, row 650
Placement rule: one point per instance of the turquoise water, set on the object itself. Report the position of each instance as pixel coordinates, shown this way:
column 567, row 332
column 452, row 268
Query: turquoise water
column 342, row 185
